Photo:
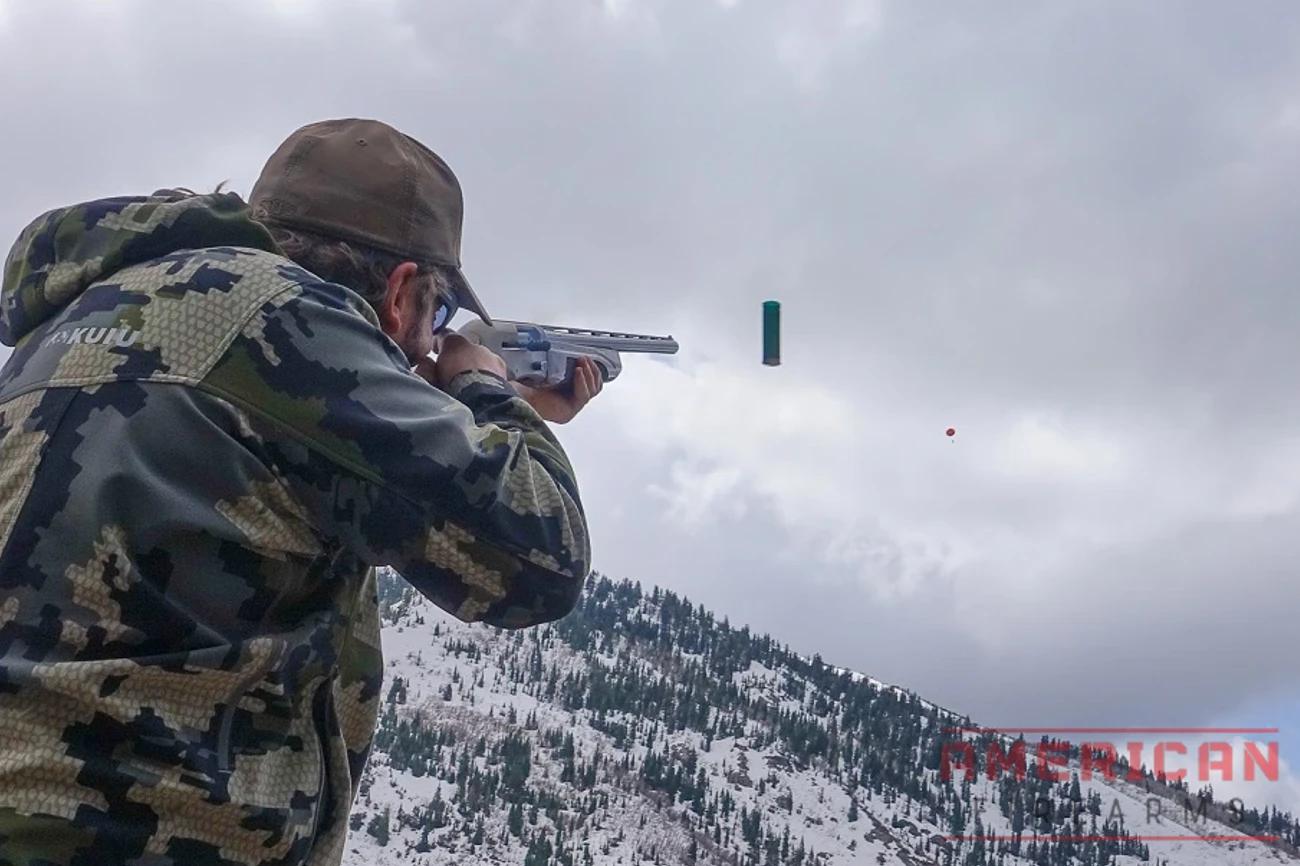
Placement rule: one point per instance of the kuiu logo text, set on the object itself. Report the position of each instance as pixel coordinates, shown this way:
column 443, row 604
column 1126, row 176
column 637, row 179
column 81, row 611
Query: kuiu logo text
column 120, row 337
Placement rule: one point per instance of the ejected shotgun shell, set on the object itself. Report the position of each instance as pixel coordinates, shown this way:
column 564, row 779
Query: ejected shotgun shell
column 772, row 333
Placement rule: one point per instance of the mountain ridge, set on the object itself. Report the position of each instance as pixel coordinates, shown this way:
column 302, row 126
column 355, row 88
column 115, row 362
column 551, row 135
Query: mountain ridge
column 645, row 729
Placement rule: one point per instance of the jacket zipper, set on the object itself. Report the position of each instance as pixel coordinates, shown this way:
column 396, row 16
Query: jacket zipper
column 226, row 758
column 320, row 775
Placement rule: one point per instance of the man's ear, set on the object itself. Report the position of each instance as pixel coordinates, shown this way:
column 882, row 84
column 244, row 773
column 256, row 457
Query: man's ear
column 401, row 306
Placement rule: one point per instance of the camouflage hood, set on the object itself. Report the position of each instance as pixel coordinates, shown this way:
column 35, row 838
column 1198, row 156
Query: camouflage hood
column 64, row 251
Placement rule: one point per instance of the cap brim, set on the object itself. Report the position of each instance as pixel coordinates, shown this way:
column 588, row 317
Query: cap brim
column 465, row 296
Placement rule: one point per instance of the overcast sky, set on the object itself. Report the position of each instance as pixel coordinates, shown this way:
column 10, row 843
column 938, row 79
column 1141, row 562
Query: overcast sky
column 1068, row 230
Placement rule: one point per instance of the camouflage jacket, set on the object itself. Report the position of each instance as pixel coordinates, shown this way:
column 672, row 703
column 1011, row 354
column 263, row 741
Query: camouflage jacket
column 205, row 451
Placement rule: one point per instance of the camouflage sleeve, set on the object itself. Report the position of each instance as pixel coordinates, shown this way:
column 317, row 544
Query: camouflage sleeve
column 466, row 493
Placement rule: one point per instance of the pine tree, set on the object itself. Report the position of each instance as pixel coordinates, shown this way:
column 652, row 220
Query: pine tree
column 539, row 852
column 378, row 827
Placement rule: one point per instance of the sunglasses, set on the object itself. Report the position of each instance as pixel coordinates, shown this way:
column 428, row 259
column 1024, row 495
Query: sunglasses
column 443, row 311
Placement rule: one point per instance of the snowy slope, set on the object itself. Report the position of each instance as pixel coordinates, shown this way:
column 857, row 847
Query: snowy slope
column 510, row 747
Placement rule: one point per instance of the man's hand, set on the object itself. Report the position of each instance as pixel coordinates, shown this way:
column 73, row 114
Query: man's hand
column 560, row 403
column 457, row 355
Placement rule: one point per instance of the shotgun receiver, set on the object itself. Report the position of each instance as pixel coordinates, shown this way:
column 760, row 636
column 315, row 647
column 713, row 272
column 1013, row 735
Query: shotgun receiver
column 542, row 355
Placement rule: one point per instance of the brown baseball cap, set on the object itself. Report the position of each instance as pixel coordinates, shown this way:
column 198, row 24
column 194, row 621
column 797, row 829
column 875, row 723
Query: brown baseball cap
column 363, row 181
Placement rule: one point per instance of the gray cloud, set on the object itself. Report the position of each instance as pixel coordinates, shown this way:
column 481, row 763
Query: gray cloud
column 1065, row 230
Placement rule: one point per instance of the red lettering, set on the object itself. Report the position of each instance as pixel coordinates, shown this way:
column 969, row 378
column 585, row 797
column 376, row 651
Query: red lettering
column 1056, row 755
column 1253, row 758
column 1223, row 763
column 1135, row 762
column 1161, row 748
column 998, row 760
column 965, row 755
column 1101, row 755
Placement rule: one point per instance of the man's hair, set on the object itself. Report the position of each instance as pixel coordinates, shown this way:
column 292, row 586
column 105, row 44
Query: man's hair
column 359, row 267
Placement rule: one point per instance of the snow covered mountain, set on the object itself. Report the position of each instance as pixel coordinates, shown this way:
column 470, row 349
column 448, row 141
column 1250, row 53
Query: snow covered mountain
column 644, row 730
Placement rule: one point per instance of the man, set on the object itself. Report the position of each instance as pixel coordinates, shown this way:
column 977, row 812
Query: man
column 210, row 435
